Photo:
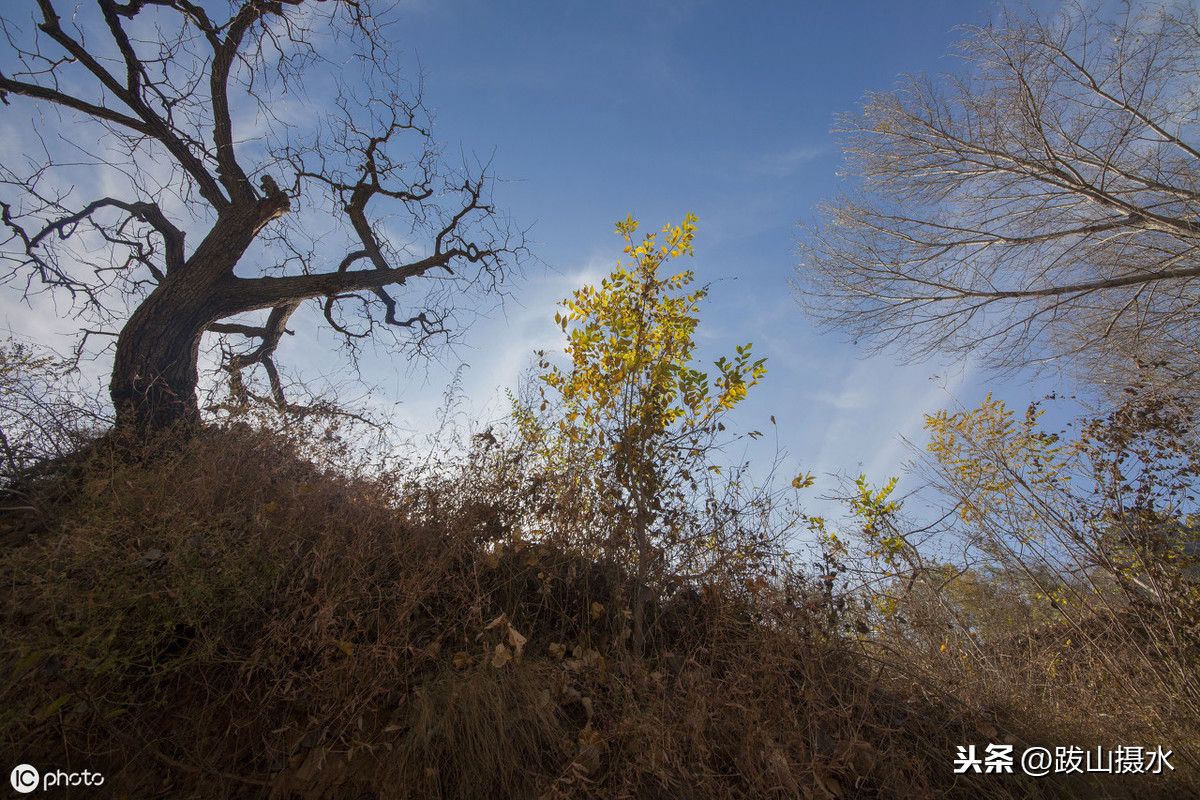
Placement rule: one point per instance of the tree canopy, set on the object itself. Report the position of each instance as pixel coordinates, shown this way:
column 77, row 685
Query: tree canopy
column 1042, row 205
column 208, row 167
column 633, row 407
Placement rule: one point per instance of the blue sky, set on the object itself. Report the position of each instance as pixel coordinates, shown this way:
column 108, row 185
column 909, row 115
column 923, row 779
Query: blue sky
column 589, row 111
column 655, row 109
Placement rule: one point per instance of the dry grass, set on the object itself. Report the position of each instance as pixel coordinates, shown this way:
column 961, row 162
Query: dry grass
column 219, row 617
column 1098, row 681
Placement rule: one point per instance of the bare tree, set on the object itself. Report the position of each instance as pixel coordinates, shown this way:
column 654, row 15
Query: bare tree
column 1043, row 206
column 46, row 413
column 162, row 123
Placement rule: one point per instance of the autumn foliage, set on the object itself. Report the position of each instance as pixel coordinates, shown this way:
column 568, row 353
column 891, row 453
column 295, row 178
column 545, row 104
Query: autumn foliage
column 641, row 418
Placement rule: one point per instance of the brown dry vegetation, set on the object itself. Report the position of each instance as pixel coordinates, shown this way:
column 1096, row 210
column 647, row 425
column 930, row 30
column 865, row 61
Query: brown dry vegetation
column 226, row 617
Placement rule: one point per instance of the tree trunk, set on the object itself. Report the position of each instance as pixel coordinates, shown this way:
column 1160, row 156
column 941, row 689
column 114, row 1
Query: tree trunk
column 641, row 592
column 155, row 373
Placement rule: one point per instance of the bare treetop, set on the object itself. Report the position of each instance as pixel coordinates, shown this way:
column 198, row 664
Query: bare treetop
column 174, row 142
column 1042, row 205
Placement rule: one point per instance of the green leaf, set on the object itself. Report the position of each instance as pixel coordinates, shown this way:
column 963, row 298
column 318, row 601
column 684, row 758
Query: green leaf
column 54, row 707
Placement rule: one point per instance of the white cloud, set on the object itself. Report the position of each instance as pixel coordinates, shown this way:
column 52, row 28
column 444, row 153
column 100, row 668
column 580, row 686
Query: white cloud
column 788, row 162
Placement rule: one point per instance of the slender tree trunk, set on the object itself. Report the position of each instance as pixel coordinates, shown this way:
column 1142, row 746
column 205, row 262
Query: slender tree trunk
column 640, row 589
column 640, row 598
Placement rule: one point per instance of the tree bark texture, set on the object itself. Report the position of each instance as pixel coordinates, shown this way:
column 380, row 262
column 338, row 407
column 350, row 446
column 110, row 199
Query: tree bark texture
column 155, row 371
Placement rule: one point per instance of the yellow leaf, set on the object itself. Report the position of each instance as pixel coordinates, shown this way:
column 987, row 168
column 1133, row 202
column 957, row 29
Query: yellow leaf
column 803, row 481
column 597, row 611
column 346, row 648
column 463, row 659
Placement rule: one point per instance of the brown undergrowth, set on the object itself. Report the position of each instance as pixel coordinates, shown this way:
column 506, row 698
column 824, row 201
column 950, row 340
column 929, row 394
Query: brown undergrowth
column 220, row 617
column 1093, row 686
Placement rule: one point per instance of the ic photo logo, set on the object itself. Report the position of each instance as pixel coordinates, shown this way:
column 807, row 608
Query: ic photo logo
column 25, row 778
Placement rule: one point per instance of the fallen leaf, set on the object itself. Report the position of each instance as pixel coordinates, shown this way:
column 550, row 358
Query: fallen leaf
column 589, row 736
column 588, row 760
column 830, row 784
column 516, row 640
column 463, row 659
column 865, row 756
column 501, row 657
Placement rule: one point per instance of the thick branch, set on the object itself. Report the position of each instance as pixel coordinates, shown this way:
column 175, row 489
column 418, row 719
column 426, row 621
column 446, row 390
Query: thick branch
column 232, row 176
column 67, row 101
column 270, row 333
column 237, row 295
